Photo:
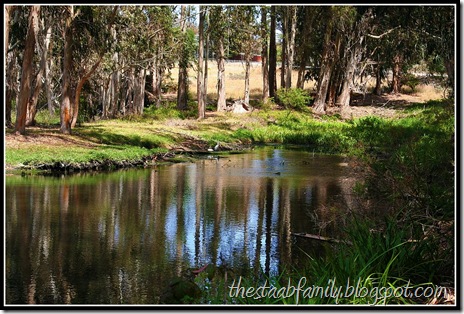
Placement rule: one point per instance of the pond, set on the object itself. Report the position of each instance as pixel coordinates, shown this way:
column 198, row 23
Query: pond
column 121, row 237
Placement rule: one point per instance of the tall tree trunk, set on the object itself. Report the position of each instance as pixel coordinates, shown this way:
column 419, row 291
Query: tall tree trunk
column 139, row 92
column 290, row 43
column 47, row 81
column 66, row 93
column 200, row 77
column 307, row 29
column 183, row 75
column 205, row 84
column 221, row 87
column 283, row 67
column 130, row 91
column 247, row 79
column 11, row 83
column 75, row 104
column 378, row 80
column 396, row 81
column 12, row 68
column 8, row 95
column 25, row 87
column 157, row 77
column 115, row 78
column 264, row 54
column 35, row 92
column 449, row 65
column 272, row 54
column 319, row 106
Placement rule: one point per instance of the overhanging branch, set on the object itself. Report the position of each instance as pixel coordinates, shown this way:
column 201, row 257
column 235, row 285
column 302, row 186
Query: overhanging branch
column 384, row 34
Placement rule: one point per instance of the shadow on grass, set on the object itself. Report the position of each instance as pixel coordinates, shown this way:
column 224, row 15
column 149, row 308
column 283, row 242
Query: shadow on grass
column 102, row 136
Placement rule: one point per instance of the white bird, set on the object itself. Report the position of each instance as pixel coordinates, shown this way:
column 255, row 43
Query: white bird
column 217, row 146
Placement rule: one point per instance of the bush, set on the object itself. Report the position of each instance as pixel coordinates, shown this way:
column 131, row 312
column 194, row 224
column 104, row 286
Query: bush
column 293, row 98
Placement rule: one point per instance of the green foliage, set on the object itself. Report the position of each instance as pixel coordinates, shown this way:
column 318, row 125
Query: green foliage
column 410, row 80
column 293, row 98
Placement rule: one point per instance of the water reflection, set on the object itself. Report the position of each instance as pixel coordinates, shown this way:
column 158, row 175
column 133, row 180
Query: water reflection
column 120, row 237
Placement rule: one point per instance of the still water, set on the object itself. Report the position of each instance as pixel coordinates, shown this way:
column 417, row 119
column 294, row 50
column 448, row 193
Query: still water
column 120, row 237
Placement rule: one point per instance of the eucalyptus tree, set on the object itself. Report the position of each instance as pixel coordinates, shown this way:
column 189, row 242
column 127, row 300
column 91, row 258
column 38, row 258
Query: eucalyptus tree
column 42, row 78
column 325, row 73
column 264, row 51
column 85, row 32
column 356, row 30
column 12, row 17
column 26, row 70
column 219, row 23
column 437, row 28
column 201, row 92
column 244, row 38
column 182, row 86
column 289, row 19
column 272, row 52
column 308, row 43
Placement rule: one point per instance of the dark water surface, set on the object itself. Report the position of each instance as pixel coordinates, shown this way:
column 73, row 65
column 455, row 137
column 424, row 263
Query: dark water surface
column 120, row 237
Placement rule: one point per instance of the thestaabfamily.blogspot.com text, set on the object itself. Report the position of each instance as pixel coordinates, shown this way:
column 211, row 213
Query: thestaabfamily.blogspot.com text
column 302, row 289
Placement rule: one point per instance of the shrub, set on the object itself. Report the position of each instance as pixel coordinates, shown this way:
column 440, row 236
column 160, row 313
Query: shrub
column 293, row 98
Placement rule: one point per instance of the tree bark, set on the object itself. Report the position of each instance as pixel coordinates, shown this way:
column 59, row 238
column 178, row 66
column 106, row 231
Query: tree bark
column 319, row 106
column 283, row 66
column 378, row 80
column 264, row 54
column 66, row 93
column 47, row 81
column 449, row 65
column 272, row 54
column 35, row 92
column 247, row 80
column 139, row 91
column 183, row 75
column 25, row 87
column 396, row 81
column 11, row 73
column 221, row 88
column 205, row 84
column 290, row 42
column 200, row 77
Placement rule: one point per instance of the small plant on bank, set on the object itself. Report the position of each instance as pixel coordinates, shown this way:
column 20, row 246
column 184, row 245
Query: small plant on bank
column 293, row 98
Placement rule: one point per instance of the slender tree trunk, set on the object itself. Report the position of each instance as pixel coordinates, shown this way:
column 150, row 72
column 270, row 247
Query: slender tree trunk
column 200, row 77
column 35, row 92
column 449, row 65
column 157, row 78
column 396, row 81
column 307, row 29
column 283, row 67
column 319, row 106
column 205, row 84
column 290, row 42
column 47, row 66
column 183, row 76
column 247, row 80
column 9, row 92
column 130, row 91
column 264, row 54
column 221, row 87
column 272, row 54
column 378, row 80
column 66, row 93
column 139, row 92
column 115, row 78
column 25, row 87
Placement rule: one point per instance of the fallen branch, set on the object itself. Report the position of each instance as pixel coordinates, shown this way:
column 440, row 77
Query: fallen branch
column 321, row 238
